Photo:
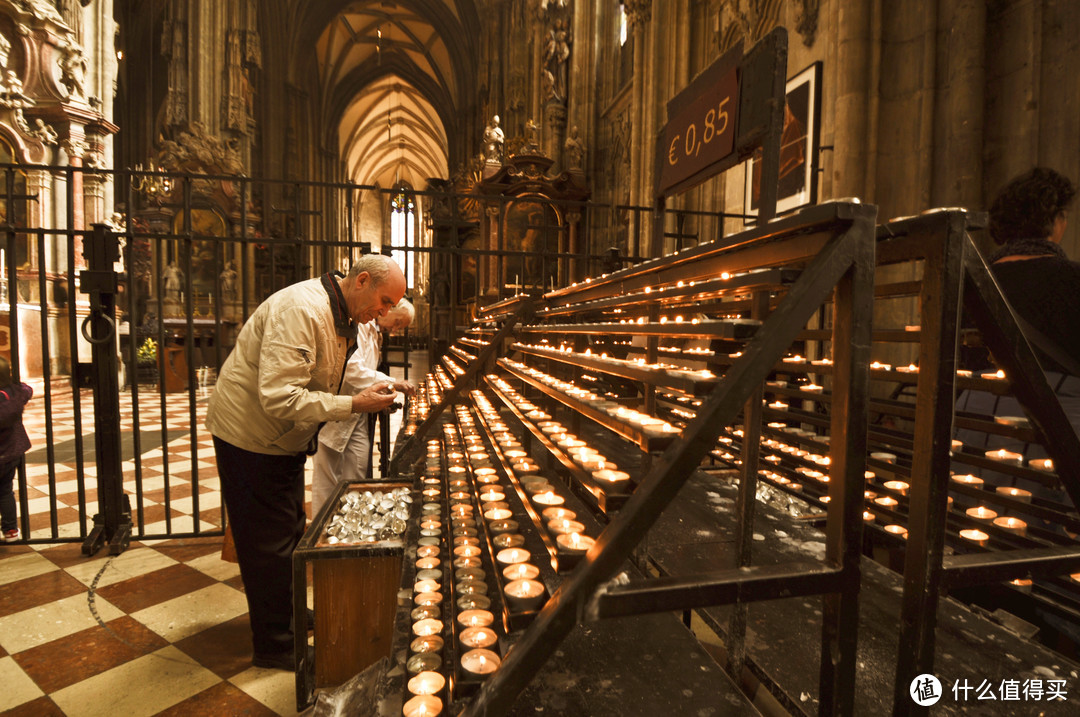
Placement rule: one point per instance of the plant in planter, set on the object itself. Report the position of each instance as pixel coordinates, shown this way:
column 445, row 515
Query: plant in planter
column 146, row 361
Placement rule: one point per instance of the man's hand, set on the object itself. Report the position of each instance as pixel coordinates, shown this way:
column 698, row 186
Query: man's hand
column 405, row 387
column 374, row 398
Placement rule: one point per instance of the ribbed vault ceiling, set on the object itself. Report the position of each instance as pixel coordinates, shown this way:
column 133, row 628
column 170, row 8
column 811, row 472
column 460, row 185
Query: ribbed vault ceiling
column 391, row 61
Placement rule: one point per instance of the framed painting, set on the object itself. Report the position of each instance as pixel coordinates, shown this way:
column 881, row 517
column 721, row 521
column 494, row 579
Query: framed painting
column 799, row 144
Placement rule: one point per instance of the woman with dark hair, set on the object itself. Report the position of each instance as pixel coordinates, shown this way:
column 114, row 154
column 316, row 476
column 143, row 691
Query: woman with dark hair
column 1028, row 218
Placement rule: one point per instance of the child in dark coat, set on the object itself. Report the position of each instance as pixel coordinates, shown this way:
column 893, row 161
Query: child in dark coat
column 14, row 443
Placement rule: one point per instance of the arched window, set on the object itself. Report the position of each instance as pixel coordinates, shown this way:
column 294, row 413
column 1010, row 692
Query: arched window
column 403, row 231
column 624, row 31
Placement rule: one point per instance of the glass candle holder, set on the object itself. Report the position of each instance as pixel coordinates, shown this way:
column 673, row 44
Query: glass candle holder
column 480, row 662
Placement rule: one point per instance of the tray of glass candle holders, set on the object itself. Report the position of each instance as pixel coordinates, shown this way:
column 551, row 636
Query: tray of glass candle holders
column 365, row 513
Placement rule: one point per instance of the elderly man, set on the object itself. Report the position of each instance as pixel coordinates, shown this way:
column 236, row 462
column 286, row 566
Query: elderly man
column 278, row 385
column 345, row 446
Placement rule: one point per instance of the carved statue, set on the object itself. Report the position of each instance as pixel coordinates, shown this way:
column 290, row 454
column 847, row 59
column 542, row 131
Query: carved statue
column 532, row 137
column 173, row 279
column 11, row 91
column 575, row 150
column 227, row 282
column 556, row 54
column 493, row 141
column 44, row 132
column 72, row 68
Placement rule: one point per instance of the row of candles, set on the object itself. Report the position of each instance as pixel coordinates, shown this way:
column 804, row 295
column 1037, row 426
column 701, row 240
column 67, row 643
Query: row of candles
column 777, row 450
column 644, row 422
column 429, row 394
column 638, row 363
column 521, row 590
column 474, row 624
column 546, row 500
column 605, row 472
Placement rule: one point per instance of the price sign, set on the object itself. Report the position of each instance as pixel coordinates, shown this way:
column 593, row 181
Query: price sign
column 701, row 131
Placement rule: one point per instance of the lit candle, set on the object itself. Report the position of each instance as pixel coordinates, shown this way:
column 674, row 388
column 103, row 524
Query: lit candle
column 607, row 475
column 523, row 594
column 867, row 516
column 899, row 486
column 968, row 479
column 430, row 524
column 811, row 388
column 956, row 445
column 508, row 556
column 975, row 536
column 884, row 456
column 1042, row 464
column 425, row 611
column 426, row 586
column 423, row 628
column 467, row 562
column 981, row 512
column 564, row 525
column 422, row 706
column 427, row 551
column 491, row 495
column 574, row 543
column 467, row 573
column 471, row 586
column 548, row 498
column 474, row 601
column 1013, row 525
column 475, row 618
column 498, row 514
column 508, row 540
column 480, row 661
column 558, row 513
column 428, row 643
column 473, row 637
column 467, row 551
column 426, row 683
column 1019, row 494
column 1009, row 457
column 521, row 571
column 427, row 563
column 895, row 529
column 503, row 526
column 910, row 368
column 886, row 501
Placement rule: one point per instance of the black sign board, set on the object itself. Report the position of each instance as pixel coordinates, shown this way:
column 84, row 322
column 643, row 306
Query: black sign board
column 702, row 120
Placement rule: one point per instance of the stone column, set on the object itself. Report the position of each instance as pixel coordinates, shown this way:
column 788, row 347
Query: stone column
column 855, row 106
column 956, row 178
column 639, row 12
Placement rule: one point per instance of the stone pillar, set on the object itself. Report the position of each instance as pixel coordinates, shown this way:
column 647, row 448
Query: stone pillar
column 855, row 107
column 958, row 117
column 639, row 12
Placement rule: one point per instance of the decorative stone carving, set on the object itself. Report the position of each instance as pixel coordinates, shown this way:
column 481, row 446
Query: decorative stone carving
column 556, row 56
column 807, row 19
column 11, row 91
column 174, row 49
column 44, row 132
column 574, row 150
column 72, row 69
column 191, row 150
column 494, row 138
column 638, row 12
